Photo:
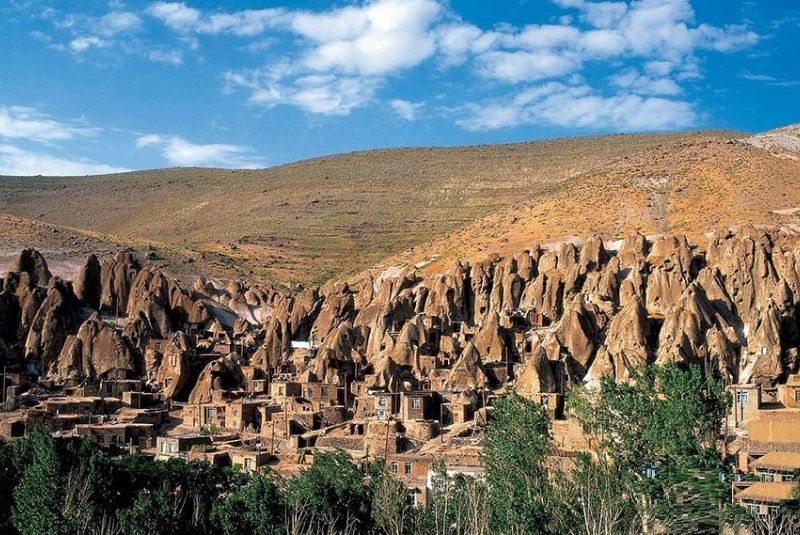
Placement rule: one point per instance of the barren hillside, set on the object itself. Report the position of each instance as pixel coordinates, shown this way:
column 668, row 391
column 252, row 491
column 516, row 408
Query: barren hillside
column 684, row 188
column 314, row 219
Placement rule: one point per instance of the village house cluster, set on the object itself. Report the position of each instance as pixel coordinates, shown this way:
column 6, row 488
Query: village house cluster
column 403, row 367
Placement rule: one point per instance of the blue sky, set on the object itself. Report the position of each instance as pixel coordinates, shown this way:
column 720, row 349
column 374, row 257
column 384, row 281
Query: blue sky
column 90, row 87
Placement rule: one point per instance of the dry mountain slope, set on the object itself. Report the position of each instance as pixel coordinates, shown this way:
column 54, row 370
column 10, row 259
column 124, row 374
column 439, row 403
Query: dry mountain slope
column 318, row 218
column 680, row 188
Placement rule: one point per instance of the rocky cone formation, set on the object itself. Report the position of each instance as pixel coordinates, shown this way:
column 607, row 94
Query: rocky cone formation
column 544, row 319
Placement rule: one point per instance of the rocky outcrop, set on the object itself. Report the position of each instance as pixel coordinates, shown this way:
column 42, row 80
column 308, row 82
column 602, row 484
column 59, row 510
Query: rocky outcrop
column 467, row 372
column 116, row 278
column 568, row 314
column 87, row 283
column 173, row 374
column 536, row 376
column 32, row 262
column 224, row 373
column 98, row 351
column 56, row 318
column 626, row 345
column 386, row 376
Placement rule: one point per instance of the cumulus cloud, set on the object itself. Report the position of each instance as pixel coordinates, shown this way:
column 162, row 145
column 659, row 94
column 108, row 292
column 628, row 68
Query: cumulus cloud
column 333, row 61
column 15, row 161
column 634, row 81
column 405, row 109
column 457, row 41
column 180, row 152
column 324, row 94
column 117, row 22
column 81, row 44
column 579, row 106
column 524, row 66
column 183, row 18
column 378, row 38
column 23, row 122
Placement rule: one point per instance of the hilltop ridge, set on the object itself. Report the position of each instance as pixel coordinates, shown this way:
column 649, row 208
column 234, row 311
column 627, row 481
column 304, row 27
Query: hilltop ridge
column 308, row 221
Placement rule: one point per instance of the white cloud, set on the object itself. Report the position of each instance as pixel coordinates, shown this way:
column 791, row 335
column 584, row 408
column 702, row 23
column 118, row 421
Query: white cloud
column 324, row 94
column 15, row 161
column 636, row 82
column 183, row 18
column 556, row 104
column 168, row 57
column 381, row 37
column 176, row 15
column 117, row 22
column 81, row 44
column 180, row 152
column 405, row 109
column 537, row 36
column 522, row 66
column 147, row 140
column 22, row 122
column 457, row 41
column 334, row 61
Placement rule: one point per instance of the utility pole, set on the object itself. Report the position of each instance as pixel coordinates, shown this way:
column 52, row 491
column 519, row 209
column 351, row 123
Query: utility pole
column 386, row 443
column 272, row 438
column 441, row 422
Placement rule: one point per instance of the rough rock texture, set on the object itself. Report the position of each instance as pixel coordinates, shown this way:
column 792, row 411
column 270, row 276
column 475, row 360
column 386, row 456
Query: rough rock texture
column 87, row 283
column 32, row 262
column 467, row 372
column 173, row 374
column 223, row 373
column 116, row 278
column 566, row 314
column 56, row 318
column 98, row 351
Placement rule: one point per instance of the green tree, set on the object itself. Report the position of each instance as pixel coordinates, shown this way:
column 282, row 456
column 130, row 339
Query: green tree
column 662, row 431
column 390, row 510
column 38, row 497
column 457, row 505
column 331, row 493
column 152, row 513
column 517, row 443
column 254, row 507
column 9, row 479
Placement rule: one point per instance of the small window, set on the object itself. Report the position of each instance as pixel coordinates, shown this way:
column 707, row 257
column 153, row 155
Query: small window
column 309, row 393
column 797, row 395
column 545, row 401
column 763, row 350
column 407, row 468
column 325, row 391
column 416, row 403
column 173, row 360
column 381, row 401
column 393, row 467
column 164, row 447
column 742, row 396
column 248, row 464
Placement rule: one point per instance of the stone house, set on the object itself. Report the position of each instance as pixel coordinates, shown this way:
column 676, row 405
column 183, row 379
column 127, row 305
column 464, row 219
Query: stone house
column 416, row 405
column 249, row 461
column 179, row 446
column 412, row 470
